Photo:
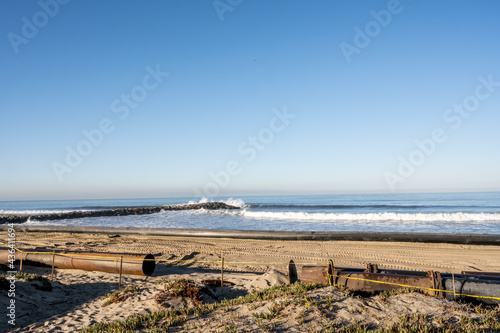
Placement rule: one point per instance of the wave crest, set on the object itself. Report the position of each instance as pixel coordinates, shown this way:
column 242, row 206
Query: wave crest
column 434, row 217
column 232, row 202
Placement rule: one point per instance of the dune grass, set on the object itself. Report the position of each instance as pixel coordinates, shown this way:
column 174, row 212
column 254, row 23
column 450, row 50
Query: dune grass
column 295, row 295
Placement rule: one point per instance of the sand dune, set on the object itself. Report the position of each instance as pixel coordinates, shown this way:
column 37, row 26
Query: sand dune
column 75, row 301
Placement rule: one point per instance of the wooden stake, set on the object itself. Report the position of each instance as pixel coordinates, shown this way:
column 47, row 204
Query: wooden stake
column 222, row 273
column 121, row 266
column 53, row 259
column 21, row 265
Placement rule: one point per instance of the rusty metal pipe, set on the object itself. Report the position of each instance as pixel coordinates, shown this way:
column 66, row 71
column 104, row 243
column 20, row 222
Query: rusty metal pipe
column 385, row 282
column 490, row 276
column 476, row 273
column 133, row 264
column 485, row 276
column 485, row 288
column 356, row 281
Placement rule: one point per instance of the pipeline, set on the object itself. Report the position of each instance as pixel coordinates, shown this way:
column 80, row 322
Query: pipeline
column 468, row 287
column 471, row 287
column 476, row 239
column 490, row 274
column 127, row 263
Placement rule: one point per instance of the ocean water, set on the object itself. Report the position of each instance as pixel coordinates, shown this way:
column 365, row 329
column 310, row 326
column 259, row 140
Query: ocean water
column 475, row 213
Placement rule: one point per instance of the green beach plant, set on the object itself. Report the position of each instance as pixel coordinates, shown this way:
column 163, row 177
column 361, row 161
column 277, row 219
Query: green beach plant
column 297, row 295
column 168, row 318
column 45, row 286
column 120, row 295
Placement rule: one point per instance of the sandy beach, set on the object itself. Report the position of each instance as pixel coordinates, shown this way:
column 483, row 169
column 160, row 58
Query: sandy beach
column 250, row 166
column 75, row 301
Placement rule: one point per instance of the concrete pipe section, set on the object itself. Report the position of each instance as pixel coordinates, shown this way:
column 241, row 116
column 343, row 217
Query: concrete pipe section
column 127, row 263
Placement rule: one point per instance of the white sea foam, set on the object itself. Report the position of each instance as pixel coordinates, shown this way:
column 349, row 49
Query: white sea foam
column 232, row 202
column 434, row 217
column 296, row 214
column 248, row 220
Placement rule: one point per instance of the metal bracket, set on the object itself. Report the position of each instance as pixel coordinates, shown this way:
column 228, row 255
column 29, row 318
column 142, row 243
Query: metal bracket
column 437, row 283
column 371, row 268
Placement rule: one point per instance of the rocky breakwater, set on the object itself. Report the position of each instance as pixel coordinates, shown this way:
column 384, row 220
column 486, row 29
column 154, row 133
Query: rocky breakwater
column 20, row 218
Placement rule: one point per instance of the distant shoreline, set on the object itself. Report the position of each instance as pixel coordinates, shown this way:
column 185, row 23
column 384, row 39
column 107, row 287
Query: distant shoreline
column 20, row 218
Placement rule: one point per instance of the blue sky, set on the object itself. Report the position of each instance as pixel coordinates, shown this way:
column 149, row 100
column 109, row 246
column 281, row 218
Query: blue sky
column 260, row 98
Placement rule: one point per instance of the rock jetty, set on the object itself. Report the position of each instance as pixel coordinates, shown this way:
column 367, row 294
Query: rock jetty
column 20, row 218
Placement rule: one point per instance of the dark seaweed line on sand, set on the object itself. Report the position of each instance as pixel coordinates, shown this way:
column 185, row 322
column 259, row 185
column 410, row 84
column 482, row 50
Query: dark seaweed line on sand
column 17, row 218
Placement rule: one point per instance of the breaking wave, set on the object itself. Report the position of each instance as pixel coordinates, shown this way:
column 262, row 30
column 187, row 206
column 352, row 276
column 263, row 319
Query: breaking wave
column 434, row 217
column 232, row 202
column 388, row 207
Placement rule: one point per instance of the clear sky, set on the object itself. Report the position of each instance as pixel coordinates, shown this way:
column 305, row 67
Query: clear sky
column 126, row 99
